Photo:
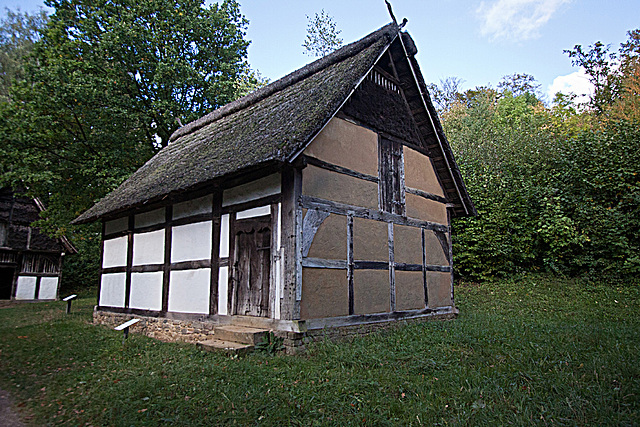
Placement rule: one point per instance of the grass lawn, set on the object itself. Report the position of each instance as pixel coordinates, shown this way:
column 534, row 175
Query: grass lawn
column 530, row 351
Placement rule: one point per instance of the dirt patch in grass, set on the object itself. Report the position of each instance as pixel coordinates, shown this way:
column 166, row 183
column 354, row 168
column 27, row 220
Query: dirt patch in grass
column 8, row 414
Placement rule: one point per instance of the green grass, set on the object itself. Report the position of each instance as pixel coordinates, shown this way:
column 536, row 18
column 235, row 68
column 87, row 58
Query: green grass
column 529, row 351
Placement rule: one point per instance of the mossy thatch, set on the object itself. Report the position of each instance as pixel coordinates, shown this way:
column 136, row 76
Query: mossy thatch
column 267, row 126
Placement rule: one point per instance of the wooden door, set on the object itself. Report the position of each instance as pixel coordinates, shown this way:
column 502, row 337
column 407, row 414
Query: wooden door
column 251, row 268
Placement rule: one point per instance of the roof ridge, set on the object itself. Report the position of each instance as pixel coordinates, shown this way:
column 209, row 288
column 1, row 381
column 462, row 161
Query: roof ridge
column 291, row 78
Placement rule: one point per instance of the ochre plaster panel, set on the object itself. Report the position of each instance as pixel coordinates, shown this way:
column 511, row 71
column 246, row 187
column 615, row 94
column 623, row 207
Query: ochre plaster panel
column 325, row 293
column 425, row 209
column 419, row 173
column 370, row 240
column 345, row 144
column 439, row 287
column 409, row 290
column 330, row 241
column 435, row 253
column 338, row 187
column 407, row 244
column 371, row 291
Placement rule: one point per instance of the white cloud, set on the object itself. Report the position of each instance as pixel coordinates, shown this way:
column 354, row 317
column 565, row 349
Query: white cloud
column 516, row 19
column 577, row 83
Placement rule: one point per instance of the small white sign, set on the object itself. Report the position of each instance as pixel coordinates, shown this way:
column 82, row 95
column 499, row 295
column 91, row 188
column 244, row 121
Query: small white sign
column 126, row 324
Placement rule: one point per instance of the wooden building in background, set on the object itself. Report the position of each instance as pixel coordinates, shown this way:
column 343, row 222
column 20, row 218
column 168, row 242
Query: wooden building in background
column 321, row 200
column 30, row 261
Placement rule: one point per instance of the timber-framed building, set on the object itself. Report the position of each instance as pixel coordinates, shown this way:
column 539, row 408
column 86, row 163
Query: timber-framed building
column 30, row 261
column 322, row 200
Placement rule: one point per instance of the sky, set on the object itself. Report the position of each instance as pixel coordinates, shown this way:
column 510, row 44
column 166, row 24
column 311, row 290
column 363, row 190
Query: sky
column 477, row 41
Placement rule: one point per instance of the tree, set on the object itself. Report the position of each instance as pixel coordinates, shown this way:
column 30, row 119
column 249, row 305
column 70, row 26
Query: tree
column 627, row 106
column 446, row 93
column 18, row 32
column 598, row 62
column 322, row 35
column 520, row 84
column 105, row 87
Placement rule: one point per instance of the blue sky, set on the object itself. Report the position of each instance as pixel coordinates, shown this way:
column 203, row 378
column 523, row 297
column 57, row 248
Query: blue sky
column 478, row 41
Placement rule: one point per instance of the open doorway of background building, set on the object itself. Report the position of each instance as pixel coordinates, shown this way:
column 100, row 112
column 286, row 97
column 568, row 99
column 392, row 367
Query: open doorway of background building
column 6, row 282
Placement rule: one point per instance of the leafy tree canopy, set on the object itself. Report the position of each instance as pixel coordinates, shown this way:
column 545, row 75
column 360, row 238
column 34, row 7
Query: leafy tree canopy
column 615, row 75
column 557, row 188
column 18, row 32
column 322, row 35
column 106, row 85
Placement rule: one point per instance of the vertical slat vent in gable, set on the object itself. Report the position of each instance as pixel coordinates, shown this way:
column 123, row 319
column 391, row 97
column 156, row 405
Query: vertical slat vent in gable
column 383, row 81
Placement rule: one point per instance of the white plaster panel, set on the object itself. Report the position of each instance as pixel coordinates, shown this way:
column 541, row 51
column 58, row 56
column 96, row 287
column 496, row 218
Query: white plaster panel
column 116, row 225
column 223, row 289
column 224, row 236
column 254, row 212
column 148, row 248
column 115, row 252
column 191, row 242
column 146, row 291
column 26, row 287
column 153, row 217
column 48, row 288
column 197, row 206
column 112, row 288
column 263, row 187
column 189, row 291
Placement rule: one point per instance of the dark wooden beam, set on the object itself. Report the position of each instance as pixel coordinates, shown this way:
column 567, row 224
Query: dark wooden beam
column 263, row 201
column 309, row 202
column 339, row 169
column 310, row 224
column 426, row 195
column 324, row 263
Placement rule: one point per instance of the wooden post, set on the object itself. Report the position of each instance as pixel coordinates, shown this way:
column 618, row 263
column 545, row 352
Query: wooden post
column 215, row 251
column 450, row 253
column 127, row 292
column 424, row 269
column 291, row 191
column 166, row 268
column 101, row 260
column 350, row 262
column 69, row 300
column 392, row 269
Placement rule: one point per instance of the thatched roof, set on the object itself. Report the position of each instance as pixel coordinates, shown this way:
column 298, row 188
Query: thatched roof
column 18, row 213
column 266, row 127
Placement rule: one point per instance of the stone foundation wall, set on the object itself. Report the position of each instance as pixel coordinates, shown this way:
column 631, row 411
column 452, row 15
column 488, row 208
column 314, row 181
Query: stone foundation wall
column 192, row 331
column 168, row 330
column 295, row 342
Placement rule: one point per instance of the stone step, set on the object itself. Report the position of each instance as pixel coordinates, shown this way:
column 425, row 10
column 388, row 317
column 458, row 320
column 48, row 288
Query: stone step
column 229, row 347
column 240, row 334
